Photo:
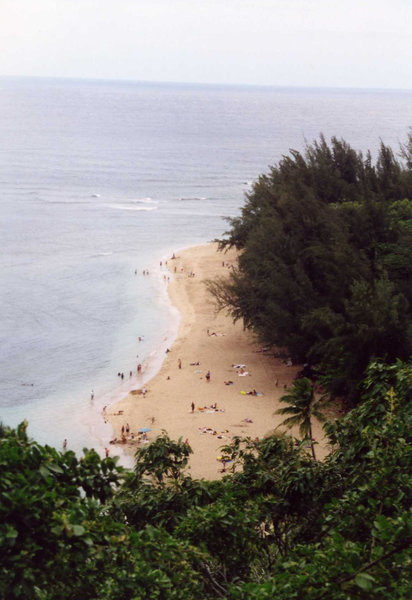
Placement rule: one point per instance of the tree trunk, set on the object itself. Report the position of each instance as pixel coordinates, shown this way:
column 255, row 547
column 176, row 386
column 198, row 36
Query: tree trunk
column 312, row 445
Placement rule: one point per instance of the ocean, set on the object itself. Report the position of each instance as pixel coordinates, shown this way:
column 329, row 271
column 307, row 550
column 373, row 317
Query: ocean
column 100, row 180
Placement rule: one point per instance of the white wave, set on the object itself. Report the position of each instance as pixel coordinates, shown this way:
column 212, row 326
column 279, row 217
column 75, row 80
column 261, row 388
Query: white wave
column 147, row 200
column 192, row 199
column 95, row 195
column 133, row 208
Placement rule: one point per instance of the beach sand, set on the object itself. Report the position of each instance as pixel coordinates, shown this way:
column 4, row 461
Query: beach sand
column 167, row 403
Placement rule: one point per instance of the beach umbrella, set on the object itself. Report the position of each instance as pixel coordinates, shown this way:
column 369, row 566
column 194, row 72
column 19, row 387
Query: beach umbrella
column 144, row 430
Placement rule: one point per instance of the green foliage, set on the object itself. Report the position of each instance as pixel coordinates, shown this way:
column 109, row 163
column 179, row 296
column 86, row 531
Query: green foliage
column 325, row 265
column 164, row 459
column 281, row 525
column 158, row 492
column 57, row 540
column 229, row 533
column 48, row 510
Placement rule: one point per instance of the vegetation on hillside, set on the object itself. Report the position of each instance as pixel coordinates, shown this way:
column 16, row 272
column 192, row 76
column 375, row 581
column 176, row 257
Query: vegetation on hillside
column 325, row 266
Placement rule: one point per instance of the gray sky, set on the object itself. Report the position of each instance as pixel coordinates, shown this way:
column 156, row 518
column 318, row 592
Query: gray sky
column 349, row 43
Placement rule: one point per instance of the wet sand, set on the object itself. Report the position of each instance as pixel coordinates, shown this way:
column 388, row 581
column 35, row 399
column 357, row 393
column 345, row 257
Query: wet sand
column 212, row 340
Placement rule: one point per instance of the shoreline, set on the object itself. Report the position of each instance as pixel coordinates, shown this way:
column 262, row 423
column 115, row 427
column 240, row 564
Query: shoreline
column 213, row 341
column 100, row 428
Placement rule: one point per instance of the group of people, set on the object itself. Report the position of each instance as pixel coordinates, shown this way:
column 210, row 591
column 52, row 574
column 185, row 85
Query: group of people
column 161, row 263
column 125, row 435
column 213, row 432
column 209, row 408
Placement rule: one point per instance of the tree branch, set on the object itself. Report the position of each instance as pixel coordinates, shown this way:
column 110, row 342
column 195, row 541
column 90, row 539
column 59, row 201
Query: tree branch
column 218, row 589
column 376, row 561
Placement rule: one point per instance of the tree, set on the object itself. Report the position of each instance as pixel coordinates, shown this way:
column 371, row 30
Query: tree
column 164, row 459
column 320, row 234
column 303, row 407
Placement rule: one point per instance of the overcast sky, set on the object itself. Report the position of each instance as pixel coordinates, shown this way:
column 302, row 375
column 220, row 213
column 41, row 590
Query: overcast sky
column 345, row 43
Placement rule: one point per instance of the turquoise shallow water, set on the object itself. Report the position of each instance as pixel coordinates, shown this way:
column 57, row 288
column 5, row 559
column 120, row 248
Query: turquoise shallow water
column 99, row 179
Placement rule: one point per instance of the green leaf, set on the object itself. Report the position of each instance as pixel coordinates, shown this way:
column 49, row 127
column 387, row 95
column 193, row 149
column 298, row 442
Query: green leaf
column 364, row 581
column 78, row 530
column 44, row 472
column 56, row 468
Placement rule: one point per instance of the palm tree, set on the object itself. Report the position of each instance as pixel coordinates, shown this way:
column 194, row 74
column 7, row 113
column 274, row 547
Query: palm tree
column 302, row 406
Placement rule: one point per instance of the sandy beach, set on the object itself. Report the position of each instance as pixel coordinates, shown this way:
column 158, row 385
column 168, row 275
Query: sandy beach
column 207, row 342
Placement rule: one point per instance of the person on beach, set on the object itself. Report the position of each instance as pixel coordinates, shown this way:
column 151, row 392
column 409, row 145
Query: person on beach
column 127, row 429
column 179, row 363
column 65, row 444
column 208, row 376
column 193, row 407
column 106, row 451
column 139, row 368
column 92, row 395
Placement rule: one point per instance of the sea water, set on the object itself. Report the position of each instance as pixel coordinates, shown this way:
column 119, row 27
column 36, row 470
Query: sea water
column 102, row 180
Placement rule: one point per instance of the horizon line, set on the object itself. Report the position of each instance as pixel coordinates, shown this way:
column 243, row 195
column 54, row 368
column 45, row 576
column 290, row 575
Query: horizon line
column 204, row 84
